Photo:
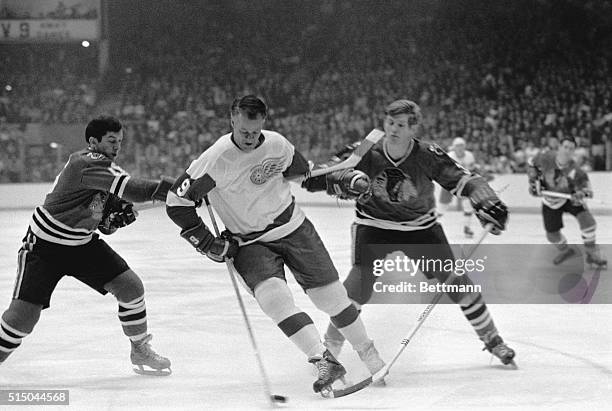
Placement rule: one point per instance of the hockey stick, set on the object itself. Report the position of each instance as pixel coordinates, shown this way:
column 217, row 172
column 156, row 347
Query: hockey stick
column 555, row 194
column 373, row 379
column 148, row 205
column 272, row 398
column 372, row 138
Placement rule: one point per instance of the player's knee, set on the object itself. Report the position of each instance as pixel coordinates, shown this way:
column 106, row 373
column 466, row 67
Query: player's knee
column 22, row 315
column 332, row 298
column 586, row 221
column 554, row 236
column 275, row 299
column 127, row 286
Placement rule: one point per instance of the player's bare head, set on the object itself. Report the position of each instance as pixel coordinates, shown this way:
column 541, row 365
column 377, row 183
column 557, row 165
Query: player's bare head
column 250, row 106
column 100, row 126
column 248, row 117
column 565, row 151
column 104, row 135
column 407, row 107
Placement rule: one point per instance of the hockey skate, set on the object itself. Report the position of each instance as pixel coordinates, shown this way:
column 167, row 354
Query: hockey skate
column 468, row 232
column 142, row 356
column 564, row 255
column 329, row 370
column 595, row 261
column 498, row 348
column 370, row 357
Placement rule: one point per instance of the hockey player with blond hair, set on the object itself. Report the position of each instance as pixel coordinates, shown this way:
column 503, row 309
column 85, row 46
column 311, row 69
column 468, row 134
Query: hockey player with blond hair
column 399, row 211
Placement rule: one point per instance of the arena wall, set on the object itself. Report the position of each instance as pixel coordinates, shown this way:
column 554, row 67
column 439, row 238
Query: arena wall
column 512, row 189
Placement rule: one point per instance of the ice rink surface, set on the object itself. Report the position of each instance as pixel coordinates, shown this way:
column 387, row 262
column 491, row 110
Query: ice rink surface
column 564, row 352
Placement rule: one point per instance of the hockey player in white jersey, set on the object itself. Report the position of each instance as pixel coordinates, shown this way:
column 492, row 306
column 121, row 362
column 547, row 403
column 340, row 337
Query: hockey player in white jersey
column 244, row 174
column 465, row 159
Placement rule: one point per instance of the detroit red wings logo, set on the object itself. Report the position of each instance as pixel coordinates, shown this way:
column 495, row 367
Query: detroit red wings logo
column 267, row 169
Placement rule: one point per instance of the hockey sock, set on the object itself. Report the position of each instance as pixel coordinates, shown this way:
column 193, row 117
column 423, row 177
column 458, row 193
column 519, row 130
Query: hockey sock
column 133, row 318
column 558, row 240
column 478, row 316
column 333, row 300
column 276, row 301
column 467, row 219
column 10, row 339
column 588, row 235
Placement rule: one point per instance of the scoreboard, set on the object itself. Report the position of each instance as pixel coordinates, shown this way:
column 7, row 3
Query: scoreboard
column 49, row 20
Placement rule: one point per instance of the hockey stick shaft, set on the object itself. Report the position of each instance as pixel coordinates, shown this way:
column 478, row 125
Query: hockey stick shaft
column 555, row 194
column 372, row 138
column 404, row 343
column 230, row 269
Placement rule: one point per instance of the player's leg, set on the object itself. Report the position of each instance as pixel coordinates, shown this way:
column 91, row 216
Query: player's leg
column 468, row 214
column 261, row 267
column 111, row 274
column 35, row 282
column 553, row 223
column 309, row 260
column 445, row 200
column 472, row 304
column 588, row 228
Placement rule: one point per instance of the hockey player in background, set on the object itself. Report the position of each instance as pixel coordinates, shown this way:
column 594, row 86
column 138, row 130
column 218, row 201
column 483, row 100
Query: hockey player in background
column 555, row 170
column 464, row 158
column 90, row 193
column 400, row 210
column 244, row 174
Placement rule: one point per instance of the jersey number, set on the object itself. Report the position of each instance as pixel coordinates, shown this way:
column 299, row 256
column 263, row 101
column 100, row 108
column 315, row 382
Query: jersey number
column 182, row 190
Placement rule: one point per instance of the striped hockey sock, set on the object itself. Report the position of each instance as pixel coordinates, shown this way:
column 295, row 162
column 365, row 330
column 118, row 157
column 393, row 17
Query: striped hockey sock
column 133, row 318
column 478, row 315
column 10, row 339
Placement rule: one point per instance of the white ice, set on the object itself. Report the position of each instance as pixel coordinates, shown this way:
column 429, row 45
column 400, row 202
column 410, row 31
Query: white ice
column 564, row 351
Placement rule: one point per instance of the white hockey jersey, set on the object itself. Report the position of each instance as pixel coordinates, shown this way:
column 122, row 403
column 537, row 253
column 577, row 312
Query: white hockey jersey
column 247, row 189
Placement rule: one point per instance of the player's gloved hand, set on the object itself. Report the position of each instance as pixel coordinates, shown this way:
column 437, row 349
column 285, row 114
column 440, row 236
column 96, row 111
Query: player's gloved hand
column 119, row 215
column 534, row 188
column 579, row 195
column 217, row 249
column 489, row 208
column 163, row 186
column 349, row 184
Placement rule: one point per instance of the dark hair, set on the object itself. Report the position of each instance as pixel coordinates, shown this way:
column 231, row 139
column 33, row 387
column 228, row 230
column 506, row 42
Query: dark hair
column 568, row 137
column 101, row 125
column 251, row 105
column 405, row 107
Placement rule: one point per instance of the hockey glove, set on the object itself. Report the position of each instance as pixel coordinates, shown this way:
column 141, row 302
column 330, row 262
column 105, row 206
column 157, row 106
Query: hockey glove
column 217, row 249
column 119, row 214
column 161, row 191
column 349, row 184
column 579, row 195
column 489, row 208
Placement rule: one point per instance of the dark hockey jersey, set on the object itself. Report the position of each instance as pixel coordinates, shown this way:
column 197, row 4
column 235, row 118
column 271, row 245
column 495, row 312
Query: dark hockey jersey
column 403, row 190
column 568, row 179
column 74, row 207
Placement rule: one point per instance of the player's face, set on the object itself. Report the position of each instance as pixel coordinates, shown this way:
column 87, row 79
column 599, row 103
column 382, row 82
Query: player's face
column 247, row 131
column 565, row 152
column 397, row 128
column 459, row 149
column 109, row 144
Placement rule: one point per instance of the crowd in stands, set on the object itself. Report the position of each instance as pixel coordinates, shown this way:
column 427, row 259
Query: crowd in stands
column 509, row 78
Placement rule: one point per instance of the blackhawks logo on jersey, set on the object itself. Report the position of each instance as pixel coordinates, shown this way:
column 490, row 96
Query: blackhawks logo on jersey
column 394, row 186
column 264, row 171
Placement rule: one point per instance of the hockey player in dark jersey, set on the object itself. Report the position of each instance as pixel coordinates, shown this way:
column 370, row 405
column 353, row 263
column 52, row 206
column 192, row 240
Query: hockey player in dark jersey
column 400, row 209
column 90, row 193
column 556, row 171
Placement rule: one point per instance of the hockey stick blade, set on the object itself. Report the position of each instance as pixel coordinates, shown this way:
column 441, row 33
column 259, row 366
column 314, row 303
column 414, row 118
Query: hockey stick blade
column 372, row 138
column 371, row 380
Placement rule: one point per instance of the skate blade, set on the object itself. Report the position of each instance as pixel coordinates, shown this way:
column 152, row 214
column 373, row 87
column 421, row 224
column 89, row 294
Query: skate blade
column 156, row 373
column 512, row 365
column 328, row 390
